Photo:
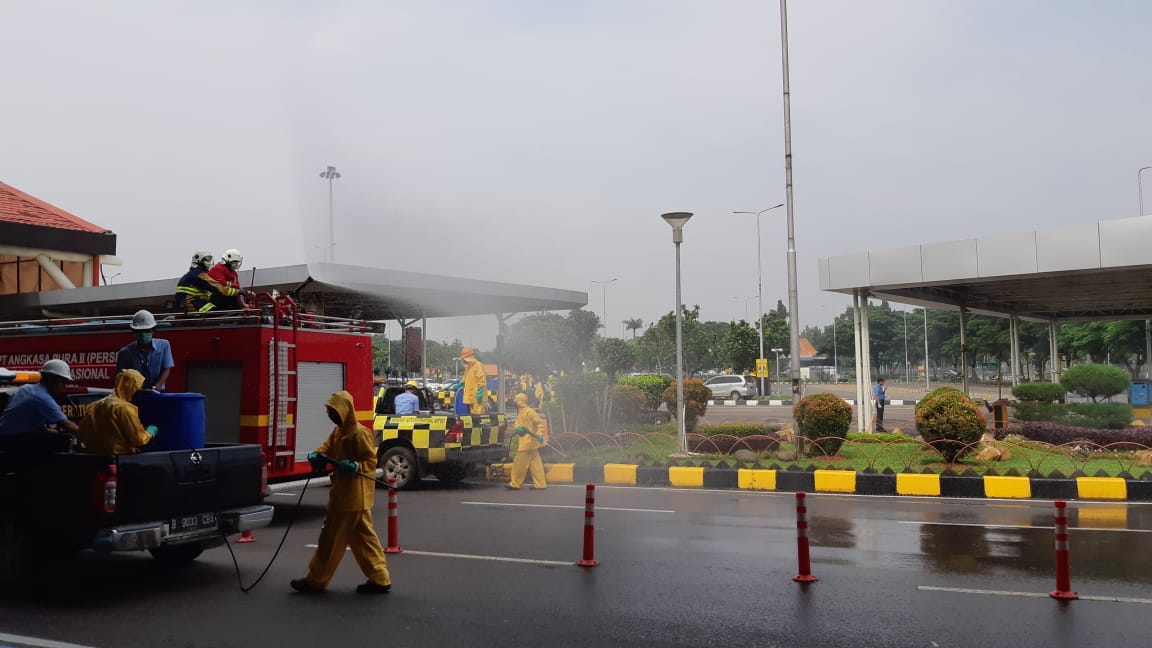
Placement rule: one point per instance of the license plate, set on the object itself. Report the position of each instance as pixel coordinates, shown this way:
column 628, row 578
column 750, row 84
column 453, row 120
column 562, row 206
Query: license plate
column 192, row 523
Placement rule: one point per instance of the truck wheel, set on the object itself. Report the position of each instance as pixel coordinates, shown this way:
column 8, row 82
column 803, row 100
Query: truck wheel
column 177, row 554
column 399, row 463
column 14, row 552
column 450, row 472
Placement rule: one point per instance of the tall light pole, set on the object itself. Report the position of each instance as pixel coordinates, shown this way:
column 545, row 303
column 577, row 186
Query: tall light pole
column 793, row 299
column 331, row 174
column 835, row 357
column 746, row 300
column 927, row 384
column 777, row 352
column 604, row 301
column 677, row 220
column 760, row 281
column 1147, row 323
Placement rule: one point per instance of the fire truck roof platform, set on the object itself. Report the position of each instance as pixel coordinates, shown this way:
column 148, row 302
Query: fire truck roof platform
column 326, row 288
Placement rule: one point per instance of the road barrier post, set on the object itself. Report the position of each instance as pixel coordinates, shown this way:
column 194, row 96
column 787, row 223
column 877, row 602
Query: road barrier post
column 1063, row 571
column 246, row 536
column 393, row 520
column 802, row 557
column 589, row 530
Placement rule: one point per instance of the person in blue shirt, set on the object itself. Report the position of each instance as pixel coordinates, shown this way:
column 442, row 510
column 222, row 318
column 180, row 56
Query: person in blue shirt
column 150, row 356
column 408, row 402
column 879, row 393
column 33, row 407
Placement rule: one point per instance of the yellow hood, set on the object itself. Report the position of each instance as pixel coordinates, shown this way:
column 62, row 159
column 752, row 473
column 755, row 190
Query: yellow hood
column 128, row 382
column 342, row 402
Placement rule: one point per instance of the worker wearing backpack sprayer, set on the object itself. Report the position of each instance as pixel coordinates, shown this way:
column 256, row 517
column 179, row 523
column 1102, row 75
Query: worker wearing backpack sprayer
column 531, row 429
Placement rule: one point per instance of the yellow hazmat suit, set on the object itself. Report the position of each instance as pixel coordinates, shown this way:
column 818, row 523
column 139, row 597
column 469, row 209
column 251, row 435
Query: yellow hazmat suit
column 348, row 523
column 528, row 451
column 475, row 381
column 112, row 424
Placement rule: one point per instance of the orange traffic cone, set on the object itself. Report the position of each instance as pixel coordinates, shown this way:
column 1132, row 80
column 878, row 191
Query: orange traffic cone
column 246, row 537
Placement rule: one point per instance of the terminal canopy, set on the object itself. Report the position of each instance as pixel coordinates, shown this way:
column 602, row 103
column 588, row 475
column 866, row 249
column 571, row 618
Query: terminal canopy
column 1098, row 271
column 325, row 288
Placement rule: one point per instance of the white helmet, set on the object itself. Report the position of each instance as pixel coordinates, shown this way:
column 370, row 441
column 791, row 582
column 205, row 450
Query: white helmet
column 143, row 321
column 203, row 259
column 58, row 368
column 233, row 258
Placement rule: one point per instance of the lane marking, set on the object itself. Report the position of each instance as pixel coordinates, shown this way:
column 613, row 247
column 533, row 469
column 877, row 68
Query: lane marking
column 964, row 590
column 437, row 554
column 40, row 643
column 568, row 506
column 285, row 494
column 1021, row 526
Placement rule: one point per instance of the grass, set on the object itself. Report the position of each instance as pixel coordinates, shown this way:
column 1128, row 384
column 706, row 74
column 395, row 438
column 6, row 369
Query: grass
column 652, row 445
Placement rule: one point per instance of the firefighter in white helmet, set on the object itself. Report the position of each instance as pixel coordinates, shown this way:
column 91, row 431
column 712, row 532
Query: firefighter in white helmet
column 33, row 407
column 225, row 274
column 149, row 355
column 196, row 288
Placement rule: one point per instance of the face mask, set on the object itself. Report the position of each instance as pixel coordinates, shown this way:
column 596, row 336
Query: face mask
column 144, row 338
column 334, row 416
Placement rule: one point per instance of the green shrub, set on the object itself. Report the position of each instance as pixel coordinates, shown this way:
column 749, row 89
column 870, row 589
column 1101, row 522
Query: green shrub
column 736, row 429
column 652, row 385
column 696, row 397
column 1108, row 416
column 823, row 415
column 1032, row 410
column 1096, row 381
column 628, row 404
column 581, row 401
column 881, row 437
column 950, row 421
column 1044, row 392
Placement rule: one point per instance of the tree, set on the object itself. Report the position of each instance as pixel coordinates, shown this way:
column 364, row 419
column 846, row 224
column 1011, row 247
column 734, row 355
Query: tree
column 634, row 324
column 543, row 342
column 740, row 346
column 1095, row 381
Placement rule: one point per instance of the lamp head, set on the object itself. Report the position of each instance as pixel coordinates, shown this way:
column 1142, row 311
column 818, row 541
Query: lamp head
column 677, row 220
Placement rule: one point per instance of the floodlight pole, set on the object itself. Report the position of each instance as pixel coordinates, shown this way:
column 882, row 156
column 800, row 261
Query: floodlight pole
column 330, row 174
column 793, row 308
column 1147, row 323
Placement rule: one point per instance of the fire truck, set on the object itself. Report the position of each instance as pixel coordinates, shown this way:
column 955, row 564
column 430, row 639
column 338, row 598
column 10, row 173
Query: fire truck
column 265, row 372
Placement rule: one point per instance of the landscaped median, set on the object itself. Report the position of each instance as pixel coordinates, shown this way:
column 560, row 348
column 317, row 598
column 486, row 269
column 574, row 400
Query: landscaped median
column 853, row 482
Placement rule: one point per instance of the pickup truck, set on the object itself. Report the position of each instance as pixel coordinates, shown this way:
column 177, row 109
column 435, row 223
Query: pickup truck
column 446, row 445
column 55, row 499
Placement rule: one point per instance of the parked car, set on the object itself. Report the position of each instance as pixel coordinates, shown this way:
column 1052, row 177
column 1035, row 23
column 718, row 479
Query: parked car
column 732, row 387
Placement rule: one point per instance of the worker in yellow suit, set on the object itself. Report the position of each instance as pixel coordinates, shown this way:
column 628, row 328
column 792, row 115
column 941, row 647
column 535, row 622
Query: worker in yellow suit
column 530, row 428
column 475, row 381
column 112, row 424
column 348, row 524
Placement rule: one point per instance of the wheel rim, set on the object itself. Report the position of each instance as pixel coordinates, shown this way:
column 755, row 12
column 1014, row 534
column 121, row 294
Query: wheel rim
column 397, row 467
column 735, row 395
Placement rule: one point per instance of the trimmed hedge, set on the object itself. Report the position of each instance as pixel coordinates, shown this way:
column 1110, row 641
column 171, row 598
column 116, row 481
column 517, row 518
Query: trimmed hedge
column 881, row 437
column 823, row 419
column 1133, row 438
column 947, row 415
column 735, row 429
column 1044, row 392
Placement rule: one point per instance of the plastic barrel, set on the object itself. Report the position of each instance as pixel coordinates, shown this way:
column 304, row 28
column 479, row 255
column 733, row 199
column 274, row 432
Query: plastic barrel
column 179, row 419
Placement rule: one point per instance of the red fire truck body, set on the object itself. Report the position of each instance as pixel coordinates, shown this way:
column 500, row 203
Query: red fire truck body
column 266, row 373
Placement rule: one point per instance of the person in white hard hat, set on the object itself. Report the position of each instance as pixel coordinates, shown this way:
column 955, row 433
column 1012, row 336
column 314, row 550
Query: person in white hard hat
column 33, row 407
column 149, row 355
column 224, row 273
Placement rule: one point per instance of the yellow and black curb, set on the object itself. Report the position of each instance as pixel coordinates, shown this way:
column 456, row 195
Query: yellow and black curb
column 855, row 482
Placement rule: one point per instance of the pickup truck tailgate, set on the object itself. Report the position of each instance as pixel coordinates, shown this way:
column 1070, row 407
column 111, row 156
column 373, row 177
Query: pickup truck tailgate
column 157, row 485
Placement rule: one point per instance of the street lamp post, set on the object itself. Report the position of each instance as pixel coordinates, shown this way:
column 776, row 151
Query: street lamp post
column 760, row 282
column 604, row 301
column 331, row 174
column 835, row 357
column 777, row 352
column 907, row 367
column 1147, row 323
column 677, row 220
column 793, row 291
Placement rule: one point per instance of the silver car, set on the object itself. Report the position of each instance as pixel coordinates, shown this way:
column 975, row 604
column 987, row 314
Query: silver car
column 732, row 387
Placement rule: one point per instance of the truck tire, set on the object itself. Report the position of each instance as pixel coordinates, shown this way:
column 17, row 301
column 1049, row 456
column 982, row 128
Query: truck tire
column 450, row 472
column 14, row 557
column 180, row 554
column 400, row 464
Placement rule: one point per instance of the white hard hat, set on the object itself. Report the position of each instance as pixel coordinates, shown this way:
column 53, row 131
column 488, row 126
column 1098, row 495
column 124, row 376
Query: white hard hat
column 59, row 368
column 233, row 258
column 201, row 258
column 143, row 321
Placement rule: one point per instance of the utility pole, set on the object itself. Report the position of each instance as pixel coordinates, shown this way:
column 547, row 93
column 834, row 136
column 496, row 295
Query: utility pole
column 331, row 174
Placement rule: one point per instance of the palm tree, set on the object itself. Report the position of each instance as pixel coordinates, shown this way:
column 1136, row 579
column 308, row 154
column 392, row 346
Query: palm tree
column 633, row 325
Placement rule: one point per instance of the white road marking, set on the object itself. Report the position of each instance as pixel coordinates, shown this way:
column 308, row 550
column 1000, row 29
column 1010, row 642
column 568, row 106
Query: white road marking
column 437, row 554
column 40, row 643
column 286, row 494
column 568, row 506
column 964, row 590
column 1021, row 526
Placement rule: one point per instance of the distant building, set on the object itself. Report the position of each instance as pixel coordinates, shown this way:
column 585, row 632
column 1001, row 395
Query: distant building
column 43, row 247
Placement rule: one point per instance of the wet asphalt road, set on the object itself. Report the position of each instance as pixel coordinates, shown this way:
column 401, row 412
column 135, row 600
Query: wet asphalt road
column 678, row 568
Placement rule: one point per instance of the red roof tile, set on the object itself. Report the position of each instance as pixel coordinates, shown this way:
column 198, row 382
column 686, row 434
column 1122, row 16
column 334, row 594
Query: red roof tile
column 806, row 349
column 18, row 207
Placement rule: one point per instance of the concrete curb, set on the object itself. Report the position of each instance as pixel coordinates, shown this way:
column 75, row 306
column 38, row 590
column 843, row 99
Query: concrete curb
column 778, row 403
column 1115, row 489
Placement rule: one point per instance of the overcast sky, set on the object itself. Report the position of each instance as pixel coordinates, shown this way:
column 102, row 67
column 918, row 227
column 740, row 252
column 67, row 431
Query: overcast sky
column 539, row 142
